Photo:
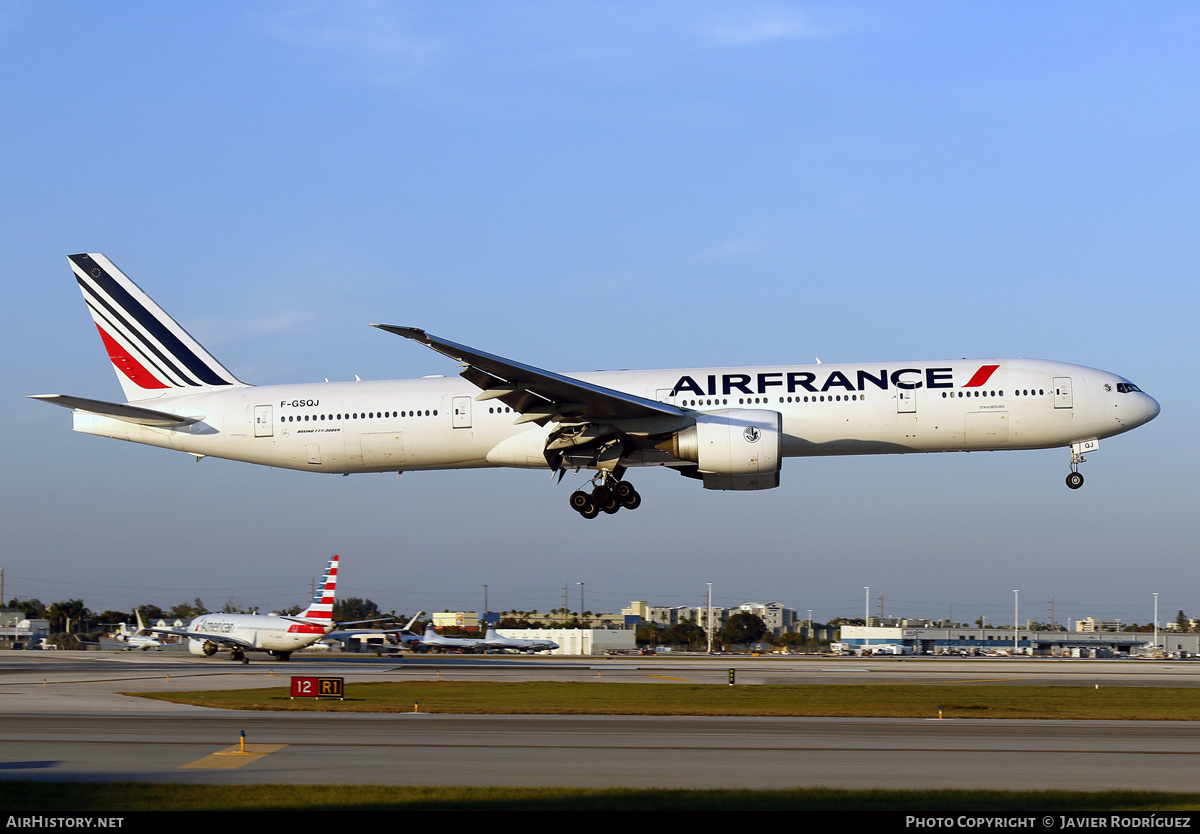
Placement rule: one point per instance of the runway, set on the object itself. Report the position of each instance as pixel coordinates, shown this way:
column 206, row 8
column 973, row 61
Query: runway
column 62, row 719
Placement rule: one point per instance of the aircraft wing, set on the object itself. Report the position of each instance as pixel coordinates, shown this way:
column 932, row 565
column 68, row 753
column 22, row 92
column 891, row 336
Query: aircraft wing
column 348, row 633
column 118, row 411
column 199, row 635
column 538, row 395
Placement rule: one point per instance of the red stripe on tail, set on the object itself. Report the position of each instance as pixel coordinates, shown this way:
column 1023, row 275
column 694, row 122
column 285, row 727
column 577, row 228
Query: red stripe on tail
column 127, row 365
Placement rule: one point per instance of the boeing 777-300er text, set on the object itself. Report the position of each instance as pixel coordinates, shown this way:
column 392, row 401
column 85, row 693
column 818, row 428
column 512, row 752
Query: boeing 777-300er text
column 277, row 634
column 729, row 428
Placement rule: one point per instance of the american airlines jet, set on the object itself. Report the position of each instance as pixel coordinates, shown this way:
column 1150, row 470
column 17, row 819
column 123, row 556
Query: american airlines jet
column 279, row 635
column 728, row 428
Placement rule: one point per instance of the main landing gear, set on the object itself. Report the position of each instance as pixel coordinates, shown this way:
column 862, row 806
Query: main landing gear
column 609, row 496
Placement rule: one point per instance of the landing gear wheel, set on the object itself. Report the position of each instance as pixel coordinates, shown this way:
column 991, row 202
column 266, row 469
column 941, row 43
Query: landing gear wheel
column 1074, row 480
column 590, row 511
column 633, row 501
column 601, row 495
column 624, row 490
column 612, row 506
column 579, row 500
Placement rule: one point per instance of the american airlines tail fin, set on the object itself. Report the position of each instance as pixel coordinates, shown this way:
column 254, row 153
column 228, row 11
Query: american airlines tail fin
column 151, row 353
column 322, row 604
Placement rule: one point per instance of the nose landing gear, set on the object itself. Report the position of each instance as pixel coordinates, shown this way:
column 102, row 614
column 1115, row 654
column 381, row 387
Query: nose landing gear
column 609, row 496
column 1075, row 480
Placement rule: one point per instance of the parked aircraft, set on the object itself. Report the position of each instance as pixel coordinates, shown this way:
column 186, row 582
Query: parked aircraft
column 279, row 635
column 138, row 638
column 493, row 640
column 434, row 642
column 395, row 638
column 729, row 428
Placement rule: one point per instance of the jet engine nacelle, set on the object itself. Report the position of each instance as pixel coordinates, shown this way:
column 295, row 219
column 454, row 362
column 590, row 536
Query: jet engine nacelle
column 736, row 448
column 201, row 647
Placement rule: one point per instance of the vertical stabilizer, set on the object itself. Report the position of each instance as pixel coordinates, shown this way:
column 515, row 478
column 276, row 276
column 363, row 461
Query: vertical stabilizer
column 322, row 603
column 151, row 353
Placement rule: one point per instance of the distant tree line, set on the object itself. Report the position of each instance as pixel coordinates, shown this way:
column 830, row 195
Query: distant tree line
column 72, row 617
column 742, row 629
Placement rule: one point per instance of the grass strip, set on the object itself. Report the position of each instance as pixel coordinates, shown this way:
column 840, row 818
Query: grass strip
column 23, row 797
column 866, row 701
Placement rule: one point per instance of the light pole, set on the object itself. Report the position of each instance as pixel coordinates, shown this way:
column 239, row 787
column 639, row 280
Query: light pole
column 581, row 606
column 867, row 606
column 1156, row 625
column 1016, row 619
column 708, row 621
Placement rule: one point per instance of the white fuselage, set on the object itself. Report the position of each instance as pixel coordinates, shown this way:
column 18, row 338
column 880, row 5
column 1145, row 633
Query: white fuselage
column 494, row 640
column 433, row 641
column 264, row 633
column 137, row 641
column 436, row 423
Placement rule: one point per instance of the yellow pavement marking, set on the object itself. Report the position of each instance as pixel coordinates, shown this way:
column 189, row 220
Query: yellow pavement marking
column 665, row 678
column 232, row 757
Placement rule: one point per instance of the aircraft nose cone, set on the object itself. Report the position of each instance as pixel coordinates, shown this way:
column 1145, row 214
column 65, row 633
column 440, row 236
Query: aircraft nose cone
column 1152, row 408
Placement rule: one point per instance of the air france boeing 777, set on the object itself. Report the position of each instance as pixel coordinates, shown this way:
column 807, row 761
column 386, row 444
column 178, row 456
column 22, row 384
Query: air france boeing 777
column 729, row 428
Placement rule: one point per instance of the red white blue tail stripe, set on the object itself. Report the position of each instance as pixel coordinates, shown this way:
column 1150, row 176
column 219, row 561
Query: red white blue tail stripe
column 152, row 354
column 322, row 604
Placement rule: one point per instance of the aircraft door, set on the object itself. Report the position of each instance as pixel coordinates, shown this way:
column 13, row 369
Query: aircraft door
column 906, row 401
column 262, row 421
column 1062, row 392
column 382, row 449
column 461, row 411
column 665, row 395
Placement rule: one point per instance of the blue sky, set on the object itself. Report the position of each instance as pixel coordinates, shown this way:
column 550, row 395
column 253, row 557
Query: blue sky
column 602, row 185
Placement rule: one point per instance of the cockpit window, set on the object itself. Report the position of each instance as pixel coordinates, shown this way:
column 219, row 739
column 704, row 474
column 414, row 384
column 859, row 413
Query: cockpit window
column 1127, row 388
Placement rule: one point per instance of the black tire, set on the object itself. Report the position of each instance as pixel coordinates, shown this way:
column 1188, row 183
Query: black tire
column 1074, row 480
column 590, row 511
column 633, row 501
column 579, row 500
column 612, row 506
column 601, row 496
column 624, row 490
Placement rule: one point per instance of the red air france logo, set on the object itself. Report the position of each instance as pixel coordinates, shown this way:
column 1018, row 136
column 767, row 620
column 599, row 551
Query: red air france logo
column 981, row 376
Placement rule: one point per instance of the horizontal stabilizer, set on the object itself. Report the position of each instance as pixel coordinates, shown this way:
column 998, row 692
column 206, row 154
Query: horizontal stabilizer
column 119, row 411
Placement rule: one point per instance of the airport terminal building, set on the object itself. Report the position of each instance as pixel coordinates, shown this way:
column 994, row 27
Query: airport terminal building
column 990, row 641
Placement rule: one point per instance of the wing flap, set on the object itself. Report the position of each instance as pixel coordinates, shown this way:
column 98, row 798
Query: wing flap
column 200, row 635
